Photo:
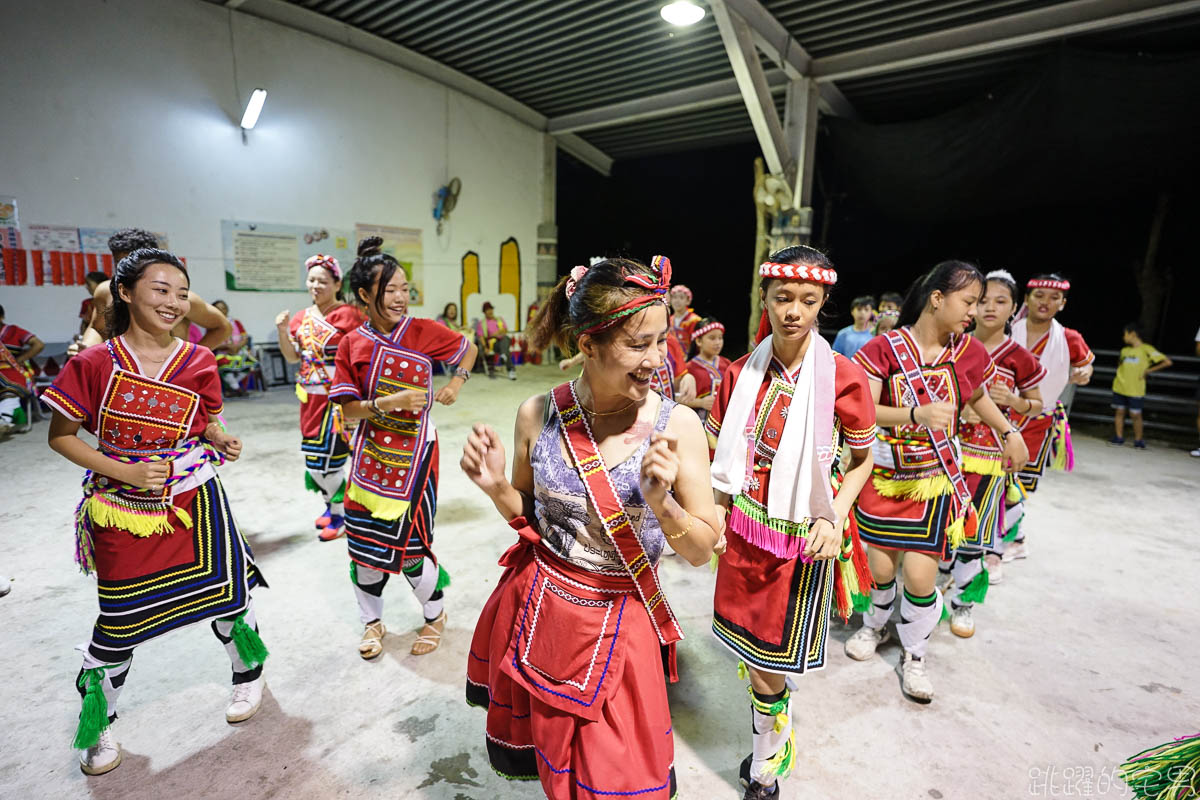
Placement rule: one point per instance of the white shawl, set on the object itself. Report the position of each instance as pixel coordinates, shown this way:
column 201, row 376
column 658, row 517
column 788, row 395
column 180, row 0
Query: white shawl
column 1056, row 358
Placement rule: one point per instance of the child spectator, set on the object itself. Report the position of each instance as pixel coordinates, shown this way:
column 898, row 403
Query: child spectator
column 889, row 312
column 852, row 337
column 1137, row 360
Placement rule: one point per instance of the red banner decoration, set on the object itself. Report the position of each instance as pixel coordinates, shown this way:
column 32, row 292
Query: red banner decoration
column 39, row 272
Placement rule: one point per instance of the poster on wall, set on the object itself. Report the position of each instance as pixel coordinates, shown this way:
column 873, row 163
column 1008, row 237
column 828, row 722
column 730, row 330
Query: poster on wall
column 268, row 257
column 95, row 240
column 10, row 225
column 53, row 237
column 404, row 245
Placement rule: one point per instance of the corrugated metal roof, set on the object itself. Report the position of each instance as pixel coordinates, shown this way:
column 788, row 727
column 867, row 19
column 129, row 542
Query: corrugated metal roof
column 564, row 56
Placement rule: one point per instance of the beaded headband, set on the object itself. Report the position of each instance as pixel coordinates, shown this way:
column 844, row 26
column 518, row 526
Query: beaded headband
column 712, row 326
column 656, row 284
column 679, row 287
column 328, row 262
column 1048, row 283
column 799, row 272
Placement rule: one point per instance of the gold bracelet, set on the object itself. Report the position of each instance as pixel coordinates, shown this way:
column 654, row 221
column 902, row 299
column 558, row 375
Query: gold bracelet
column 691, row 522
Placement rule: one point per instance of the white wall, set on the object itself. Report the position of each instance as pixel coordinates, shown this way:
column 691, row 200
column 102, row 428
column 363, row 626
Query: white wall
column 124, row 113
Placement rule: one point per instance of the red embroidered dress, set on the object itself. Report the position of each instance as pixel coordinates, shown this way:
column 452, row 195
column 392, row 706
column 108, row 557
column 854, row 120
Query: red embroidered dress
column 674, row 365
column 322, row 429
column 909, row 503
column 1018, row 370
column 709, row 377
column 14, row 378
column 1042, row 432
column 162, row 559
column 391, row 496
column 773, row 612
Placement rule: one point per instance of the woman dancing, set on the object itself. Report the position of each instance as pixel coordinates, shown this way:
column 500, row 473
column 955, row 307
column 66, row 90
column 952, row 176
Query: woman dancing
column 154, row 524
column 606, row 474
column 312, row 337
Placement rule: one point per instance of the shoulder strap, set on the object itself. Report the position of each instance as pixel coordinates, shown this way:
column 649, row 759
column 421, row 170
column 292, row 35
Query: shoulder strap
column 603, row 495
column 910, row 365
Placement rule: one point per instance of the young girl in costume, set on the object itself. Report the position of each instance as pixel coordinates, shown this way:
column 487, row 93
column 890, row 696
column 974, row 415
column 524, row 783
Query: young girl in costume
column 683, row 318
column 707, row 366
column 918, row 504
column 606, row 475
column 312, row 338
column 781, row 417
column 384, row 377
column 1068, row 360
column 1012, row 387
column 154, row 525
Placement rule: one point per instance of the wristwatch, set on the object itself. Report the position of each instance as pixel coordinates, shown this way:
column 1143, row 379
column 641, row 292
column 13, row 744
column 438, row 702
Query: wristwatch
column 459, row 372
column 1008, row 432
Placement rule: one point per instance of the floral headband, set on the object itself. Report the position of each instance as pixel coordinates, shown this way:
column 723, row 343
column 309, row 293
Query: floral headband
column 328, row 262
column 656, row 285
column 800, row 272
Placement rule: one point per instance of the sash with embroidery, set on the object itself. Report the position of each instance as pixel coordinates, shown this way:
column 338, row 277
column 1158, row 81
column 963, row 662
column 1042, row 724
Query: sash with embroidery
column 603, row 495
column 965, row 519
column 389, row 448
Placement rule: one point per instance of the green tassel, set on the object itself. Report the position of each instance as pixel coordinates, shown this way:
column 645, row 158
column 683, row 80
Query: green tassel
column 354, row 573
column 1170, row 771
column 310, row 483
column 249, row 644
column 712, row 562
column 93, row 718
column 862, row 602
column 976, row 590
column 781, row 763
column 743, row 673
column 340, row 495
column 945, row 612
column 1011, row 535
column 443, row 579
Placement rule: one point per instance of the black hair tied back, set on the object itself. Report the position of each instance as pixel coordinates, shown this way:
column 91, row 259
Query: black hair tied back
column 372, row 265
column 128, row 272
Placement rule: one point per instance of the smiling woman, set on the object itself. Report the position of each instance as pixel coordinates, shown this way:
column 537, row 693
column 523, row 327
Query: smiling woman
column 606, row 475
column 154, row 524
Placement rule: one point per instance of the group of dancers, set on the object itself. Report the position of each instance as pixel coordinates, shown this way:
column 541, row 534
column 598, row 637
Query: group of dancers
column 812, row 478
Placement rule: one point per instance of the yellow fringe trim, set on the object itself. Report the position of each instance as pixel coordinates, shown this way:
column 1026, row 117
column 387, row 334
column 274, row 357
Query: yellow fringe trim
column 110, row 515
column 300, row 393
column 919, row 489
column 956, row 533
column 982, row 466
column 380, row 507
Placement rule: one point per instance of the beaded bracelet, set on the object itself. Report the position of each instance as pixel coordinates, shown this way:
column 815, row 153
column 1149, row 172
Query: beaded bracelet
column 685, row 531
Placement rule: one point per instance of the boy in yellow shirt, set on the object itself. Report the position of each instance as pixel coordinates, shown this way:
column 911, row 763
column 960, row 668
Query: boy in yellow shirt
column 1137, row 360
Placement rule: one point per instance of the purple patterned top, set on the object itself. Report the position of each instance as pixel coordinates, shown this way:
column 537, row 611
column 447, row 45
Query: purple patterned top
column 566, row 520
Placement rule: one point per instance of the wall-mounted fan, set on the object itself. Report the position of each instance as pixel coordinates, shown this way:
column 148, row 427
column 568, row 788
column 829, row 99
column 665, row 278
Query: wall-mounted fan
column 444, row 201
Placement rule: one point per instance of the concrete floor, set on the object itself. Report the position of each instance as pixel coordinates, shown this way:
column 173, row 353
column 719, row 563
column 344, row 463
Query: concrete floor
column 1085, row 654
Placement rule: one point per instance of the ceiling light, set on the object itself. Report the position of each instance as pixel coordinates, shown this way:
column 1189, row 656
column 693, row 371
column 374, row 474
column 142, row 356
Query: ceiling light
column 253, row 108
column 682, row 13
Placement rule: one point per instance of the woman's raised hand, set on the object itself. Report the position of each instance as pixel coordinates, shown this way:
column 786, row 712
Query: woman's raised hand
column 483, row 458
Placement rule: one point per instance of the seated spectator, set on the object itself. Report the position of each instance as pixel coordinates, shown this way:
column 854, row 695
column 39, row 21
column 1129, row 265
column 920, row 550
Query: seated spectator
column 235, row 360
column 449, row 317
column 17, row 347
column 492, row 339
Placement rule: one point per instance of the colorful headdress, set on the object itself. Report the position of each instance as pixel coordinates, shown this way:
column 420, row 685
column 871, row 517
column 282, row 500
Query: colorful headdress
column 328, row 262
column 712, row 326
column 656, row 286
column 1048, row 283
column 798, row 272
column 679, row 287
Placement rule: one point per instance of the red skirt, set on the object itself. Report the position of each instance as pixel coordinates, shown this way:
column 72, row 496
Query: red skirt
column 569, row 668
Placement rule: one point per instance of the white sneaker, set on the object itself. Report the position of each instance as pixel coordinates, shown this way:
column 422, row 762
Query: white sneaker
column 962, row 624
column 104, row 757
column 246, row 700
column 1195, row 453
column 1014, row 551
column 914, row 681
column 994, row 569
column 862, row 644
column 5, row 586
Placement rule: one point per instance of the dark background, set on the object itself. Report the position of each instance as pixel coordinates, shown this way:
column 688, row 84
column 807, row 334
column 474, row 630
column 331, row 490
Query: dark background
column 1059, row 168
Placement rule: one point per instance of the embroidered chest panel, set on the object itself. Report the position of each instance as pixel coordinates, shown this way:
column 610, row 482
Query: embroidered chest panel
column 144, row 416
column 313, row 335
column 390, row 447
column 942, row 383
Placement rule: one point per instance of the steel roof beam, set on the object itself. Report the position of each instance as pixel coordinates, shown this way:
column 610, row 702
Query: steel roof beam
column 1004, row 33
column 586, row 152
column 778, row 45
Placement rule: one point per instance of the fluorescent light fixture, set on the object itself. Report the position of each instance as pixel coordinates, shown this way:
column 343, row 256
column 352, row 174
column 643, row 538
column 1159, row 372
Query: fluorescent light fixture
column 253, row 108
column 682, row 13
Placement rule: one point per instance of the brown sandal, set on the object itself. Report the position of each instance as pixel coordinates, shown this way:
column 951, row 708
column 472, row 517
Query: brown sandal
column 372, row 640
column 430, row 636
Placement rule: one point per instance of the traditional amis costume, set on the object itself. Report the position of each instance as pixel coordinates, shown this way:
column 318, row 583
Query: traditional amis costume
column 1060, row 349
column 683, row 325
column 16, row 380
column 567, row 654
column 779, row 437
column 391, row 497
column 919, row 499
column 324, row 441
column 708, row 375
column 162, row 559
column 982, row 461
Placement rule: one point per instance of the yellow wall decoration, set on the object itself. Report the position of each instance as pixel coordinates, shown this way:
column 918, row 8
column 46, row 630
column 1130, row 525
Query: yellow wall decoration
column 510, row 277
column 470, row 282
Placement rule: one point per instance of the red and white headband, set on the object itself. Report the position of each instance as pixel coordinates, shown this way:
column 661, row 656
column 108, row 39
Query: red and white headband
column 1048, row 283
column 681, row 289
column 798, row 272
column 328, row 262
column 712, row 326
